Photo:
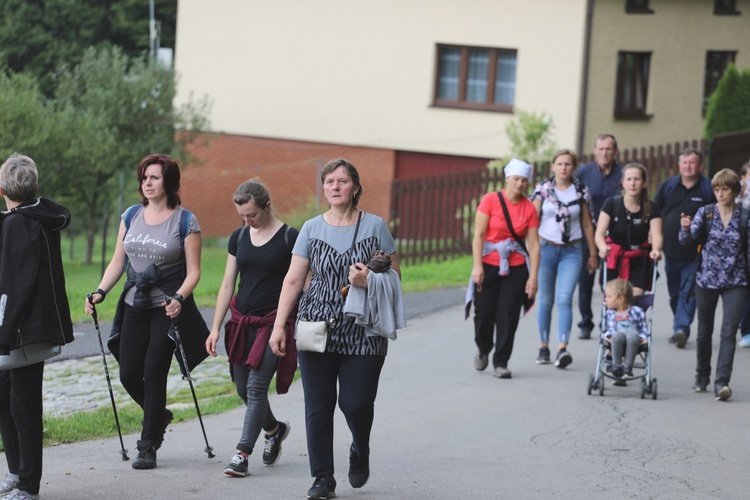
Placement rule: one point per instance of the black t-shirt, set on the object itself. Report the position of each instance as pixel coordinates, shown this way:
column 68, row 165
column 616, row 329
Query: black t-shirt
column 681, row 200
column 262, row 269
column 627, row 228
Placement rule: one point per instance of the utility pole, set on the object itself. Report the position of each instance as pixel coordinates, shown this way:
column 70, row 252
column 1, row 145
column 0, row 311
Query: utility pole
column 152, row 30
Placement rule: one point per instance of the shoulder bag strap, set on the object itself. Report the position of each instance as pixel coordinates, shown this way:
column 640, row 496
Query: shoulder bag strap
column 510, row 223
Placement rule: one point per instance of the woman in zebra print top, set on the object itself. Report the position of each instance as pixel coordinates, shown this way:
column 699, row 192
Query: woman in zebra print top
column 328, row 250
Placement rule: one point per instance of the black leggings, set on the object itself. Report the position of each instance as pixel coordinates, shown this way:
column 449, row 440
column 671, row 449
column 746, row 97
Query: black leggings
column 145, row 356
column 498, row 307
column 21, row 423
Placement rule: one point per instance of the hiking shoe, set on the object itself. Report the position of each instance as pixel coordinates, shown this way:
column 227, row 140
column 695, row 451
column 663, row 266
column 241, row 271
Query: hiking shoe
column 146, row 458
column 238, row 466
column 502, row 372
column 722, row 394
column 679, row 339
column 272, row 449
column 701, row 383
column 481, row 361
column 17, row 494
column 620, row 383
column 323, row 488
column 543, row 358
column 359, row 469
column 627, row 370
column 9, row 483
column 584, row 334
column 168, row 416
column 745, row 341
column 563, row 359
column 616, row 370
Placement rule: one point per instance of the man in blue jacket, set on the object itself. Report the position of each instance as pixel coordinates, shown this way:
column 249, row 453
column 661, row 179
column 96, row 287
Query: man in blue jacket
column 684, row 193
column 603, row 177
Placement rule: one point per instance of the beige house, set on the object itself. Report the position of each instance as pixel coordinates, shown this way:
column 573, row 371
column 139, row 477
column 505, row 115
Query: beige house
column 433, row 83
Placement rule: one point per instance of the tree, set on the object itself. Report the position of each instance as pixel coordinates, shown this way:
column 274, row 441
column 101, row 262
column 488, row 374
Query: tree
column 530, row 136
column 729, row 106
column 24, row 126
column 108, row 113
column 38, row 35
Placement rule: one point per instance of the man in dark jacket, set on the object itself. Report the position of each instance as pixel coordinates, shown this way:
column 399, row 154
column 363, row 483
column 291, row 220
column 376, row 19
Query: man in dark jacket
column 681, row 195
column 33, row 309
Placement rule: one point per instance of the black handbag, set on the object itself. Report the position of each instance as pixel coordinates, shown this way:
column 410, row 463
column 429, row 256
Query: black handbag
column 528, row 302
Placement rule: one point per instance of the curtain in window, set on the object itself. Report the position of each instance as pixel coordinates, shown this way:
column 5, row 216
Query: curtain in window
column 505, row 79
column 632, row 82
column 476, row 81
column 448, row 78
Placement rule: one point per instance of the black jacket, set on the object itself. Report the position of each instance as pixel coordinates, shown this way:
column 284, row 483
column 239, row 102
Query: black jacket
column 33, row 303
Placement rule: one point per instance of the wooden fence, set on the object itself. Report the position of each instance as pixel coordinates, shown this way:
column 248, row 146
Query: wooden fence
column 432, row 218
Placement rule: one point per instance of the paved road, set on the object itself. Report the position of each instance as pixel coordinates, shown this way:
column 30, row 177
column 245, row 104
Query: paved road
column 443, row 430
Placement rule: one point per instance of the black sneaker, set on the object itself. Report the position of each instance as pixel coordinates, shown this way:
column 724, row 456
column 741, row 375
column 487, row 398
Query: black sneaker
column 323, row 488
column 146, row 458
column 701, row 383
column 168, row 416
column 272, row 449
column 627, row 370
column 543, row 358
column 584, row 334
column 238, row 466
column 563, row 359
column 680, row 339
column 359, row 469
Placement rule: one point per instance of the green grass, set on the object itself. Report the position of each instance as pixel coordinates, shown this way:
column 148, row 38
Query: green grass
column 213, row 398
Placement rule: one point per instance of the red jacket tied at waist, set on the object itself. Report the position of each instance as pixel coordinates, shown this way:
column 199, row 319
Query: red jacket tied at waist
column 236, row 338
column 619, row 255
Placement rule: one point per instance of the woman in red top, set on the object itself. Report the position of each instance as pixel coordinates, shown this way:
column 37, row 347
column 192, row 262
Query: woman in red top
column 502, row 272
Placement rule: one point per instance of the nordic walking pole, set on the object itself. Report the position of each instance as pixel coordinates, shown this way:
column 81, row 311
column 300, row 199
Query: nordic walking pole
column 123, row 451
column 209, row 450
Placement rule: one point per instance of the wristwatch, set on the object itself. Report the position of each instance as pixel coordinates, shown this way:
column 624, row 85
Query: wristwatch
column 179, row 298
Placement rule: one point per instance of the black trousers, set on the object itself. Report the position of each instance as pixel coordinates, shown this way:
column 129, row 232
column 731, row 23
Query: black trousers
column 145, row 356
column 498, row 307
column 357, row 377
column 21, row 425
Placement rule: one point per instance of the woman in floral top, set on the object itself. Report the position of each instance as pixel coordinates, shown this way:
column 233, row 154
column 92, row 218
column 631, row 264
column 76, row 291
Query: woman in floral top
column 564, row 207
column 722, row 273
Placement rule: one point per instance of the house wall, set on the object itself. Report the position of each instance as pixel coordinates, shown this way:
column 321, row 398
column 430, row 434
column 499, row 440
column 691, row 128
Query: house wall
column 678, row 34
column 290, row 171
column 362, row 73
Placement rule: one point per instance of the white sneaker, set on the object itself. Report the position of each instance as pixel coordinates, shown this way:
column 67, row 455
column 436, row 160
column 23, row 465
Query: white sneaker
column 9, row 484
column 17, row 494
column 745, row 341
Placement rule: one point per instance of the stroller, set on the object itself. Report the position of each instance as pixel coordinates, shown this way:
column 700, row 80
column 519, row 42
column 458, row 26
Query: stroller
column 642, row 360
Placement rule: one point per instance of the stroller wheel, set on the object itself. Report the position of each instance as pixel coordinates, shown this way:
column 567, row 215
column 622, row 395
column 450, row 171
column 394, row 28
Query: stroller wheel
column 591, row 383
column 653, row 388
column 601, row 386
column 643, row 388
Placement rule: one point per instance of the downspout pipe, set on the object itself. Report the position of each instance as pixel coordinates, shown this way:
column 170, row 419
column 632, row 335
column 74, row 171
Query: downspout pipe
column 585, row 76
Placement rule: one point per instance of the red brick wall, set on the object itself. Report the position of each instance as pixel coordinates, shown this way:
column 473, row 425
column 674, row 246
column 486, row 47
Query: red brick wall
column 289, row 169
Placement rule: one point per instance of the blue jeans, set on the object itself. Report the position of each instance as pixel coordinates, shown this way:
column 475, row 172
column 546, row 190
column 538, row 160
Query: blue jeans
column 680, row 273
column 562, row 266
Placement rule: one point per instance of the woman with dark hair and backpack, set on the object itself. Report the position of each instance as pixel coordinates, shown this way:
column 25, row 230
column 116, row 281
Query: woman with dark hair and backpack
column 160, row 262
column 259, row 253
column 628, row 232
column 722, row 272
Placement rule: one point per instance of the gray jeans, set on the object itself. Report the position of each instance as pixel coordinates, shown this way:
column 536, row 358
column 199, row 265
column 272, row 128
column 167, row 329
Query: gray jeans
column 628, row 342
column 252, row 387
column 733, row 303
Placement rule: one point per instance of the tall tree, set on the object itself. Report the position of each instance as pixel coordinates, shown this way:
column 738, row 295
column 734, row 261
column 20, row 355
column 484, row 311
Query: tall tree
column 729, row 106
column 109, row 112
column 36, row 36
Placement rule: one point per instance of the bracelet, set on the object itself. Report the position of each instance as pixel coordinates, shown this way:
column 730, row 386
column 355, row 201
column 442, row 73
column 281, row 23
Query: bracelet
column 102, row 293
column 179, row 298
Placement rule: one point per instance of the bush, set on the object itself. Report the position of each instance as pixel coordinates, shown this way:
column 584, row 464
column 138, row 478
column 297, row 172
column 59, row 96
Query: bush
column 729, row 106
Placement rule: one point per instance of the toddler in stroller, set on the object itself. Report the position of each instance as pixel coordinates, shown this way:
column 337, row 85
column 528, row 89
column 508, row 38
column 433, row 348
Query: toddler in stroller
column 625, row 327
column 625, row 342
